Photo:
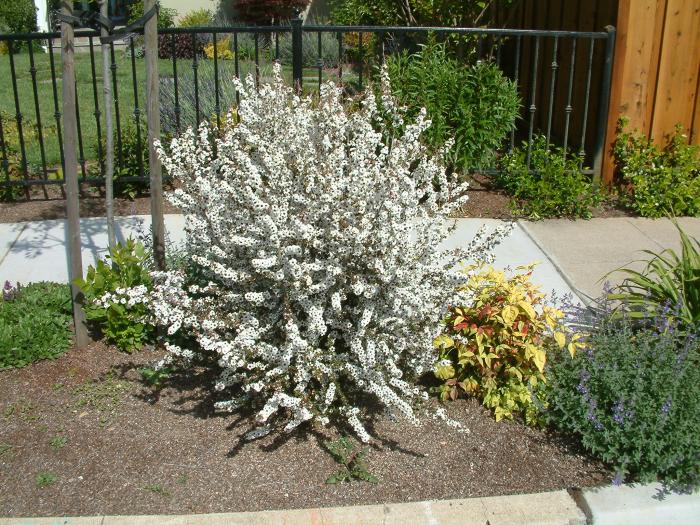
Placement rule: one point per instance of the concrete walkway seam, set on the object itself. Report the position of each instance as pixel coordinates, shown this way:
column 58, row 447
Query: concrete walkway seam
column 12, row 244
column 588, row 301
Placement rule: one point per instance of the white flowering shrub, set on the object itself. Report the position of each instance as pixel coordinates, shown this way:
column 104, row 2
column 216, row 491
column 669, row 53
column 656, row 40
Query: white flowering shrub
column 318, row 241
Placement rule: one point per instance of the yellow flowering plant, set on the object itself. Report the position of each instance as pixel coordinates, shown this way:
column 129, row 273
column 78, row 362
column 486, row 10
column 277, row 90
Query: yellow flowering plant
column 496, row 347
column 223, row 50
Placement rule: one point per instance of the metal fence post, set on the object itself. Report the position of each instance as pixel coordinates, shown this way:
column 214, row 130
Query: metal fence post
column 604, row 101
column 297, row 66
column 70, row 133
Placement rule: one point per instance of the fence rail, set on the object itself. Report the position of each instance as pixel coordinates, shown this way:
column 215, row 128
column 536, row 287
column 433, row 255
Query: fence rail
column 553, row 71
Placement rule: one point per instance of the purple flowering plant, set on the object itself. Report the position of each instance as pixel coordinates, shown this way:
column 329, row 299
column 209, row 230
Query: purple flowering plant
column 632, row 396
column 8, row 291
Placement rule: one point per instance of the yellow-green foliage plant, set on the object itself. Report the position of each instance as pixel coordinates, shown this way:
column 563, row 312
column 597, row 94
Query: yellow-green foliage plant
column 223, row 50
column 495, row 348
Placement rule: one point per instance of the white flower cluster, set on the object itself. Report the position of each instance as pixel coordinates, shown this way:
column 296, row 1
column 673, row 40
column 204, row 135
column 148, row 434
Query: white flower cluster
column 318, row 239
column 128, row 297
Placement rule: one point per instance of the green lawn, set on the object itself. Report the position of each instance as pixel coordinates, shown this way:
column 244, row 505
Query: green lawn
column 86, row 100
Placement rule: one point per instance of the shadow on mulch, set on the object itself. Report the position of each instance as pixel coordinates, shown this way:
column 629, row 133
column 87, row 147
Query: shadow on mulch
column 133, row 449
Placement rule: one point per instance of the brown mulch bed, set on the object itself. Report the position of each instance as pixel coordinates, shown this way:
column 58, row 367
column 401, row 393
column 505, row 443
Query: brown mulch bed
column 485, row 201
column 52, row 205
column 132, row 450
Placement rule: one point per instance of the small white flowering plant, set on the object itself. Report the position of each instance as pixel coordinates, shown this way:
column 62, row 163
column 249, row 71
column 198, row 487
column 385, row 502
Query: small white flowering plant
column 315, row 238
column 117, row 295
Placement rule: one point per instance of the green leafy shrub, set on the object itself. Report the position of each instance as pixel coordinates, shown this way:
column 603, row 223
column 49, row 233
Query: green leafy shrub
column 134, row 154
column 553, row 186
column 496, row 347
column 112, row 289
column 633, row 398
column 15, row 169
column 474, row 104
column 166, row 15
column 246, row 46
column 10, row 193
column 18, row 16
column 668, row 285
column 197, row 18
column 34, row 323
column 352, row 461
column 155, row 377
column 658, row 181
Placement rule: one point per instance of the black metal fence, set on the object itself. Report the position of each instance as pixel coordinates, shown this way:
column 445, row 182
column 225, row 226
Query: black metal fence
column 563, row 94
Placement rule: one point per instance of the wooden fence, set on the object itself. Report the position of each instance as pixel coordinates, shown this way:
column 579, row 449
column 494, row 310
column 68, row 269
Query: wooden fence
column 656, row 72
column 656, row 76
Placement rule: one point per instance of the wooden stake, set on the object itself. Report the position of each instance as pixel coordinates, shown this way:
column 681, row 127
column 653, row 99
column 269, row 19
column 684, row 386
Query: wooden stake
column 150, row 33
column 109, row 132
column 70, row 132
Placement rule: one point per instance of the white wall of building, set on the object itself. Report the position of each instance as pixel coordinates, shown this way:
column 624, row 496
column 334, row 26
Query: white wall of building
column 42, row 15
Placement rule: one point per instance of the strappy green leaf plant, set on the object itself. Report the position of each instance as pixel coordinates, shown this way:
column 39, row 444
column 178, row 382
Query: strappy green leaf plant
column 669, row 282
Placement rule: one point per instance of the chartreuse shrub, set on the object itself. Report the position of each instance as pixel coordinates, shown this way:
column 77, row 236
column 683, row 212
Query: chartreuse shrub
column 552, row 185
column 657, row 181
column 321, row 282
column 669, row 283
column 197, row 18
column 633, row 398
column 476, row 105
column 494, row 346
column 35, row 323
column 114, row 290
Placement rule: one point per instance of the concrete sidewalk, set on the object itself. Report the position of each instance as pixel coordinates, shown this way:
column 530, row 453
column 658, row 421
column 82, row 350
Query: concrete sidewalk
column 623, row 505
column 573, row 255
column 585, row 251
column 546, row 508
column 36, row 251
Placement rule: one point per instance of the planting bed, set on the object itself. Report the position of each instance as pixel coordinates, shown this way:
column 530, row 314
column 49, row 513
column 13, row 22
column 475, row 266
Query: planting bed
column 131, row 449
column 92, row 204
column 484, row 201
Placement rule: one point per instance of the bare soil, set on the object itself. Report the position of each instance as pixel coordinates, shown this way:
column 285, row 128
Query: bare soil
column 130, row 449
column 488, row 201
column 485, row 201
column 52, row 205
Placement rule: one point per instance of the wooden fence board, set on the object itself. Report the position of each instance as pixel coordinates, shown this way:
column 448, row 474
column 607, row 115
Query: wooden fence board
column 634, row 71
column 695, row 130
column 678, row 68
